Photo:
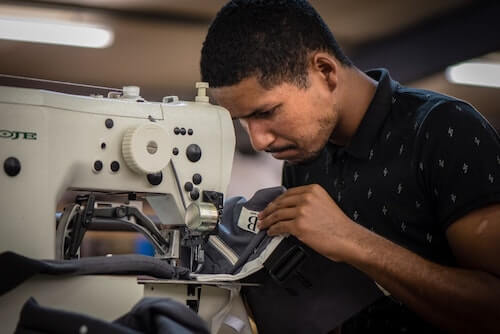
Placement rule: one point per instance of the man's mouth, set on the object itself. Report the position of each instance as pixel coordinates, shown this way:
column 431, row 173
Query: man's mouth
column 285, row 154
column 280, row 149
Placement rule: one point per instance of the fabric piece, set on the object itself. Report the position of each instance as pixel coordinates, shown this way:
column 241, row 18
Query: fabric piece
column 317, row 297
column 149, row 315
column 240, row 243
column 18, row 268
column 418, row 161
column 254, row 265
column 387, row 315
column 162, row 315
column 43, row 320
column 343, row 293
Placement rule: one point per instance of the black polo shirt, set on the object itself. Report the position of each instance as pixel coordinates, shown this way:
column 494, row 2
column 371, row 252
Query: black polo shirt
column 418, row 162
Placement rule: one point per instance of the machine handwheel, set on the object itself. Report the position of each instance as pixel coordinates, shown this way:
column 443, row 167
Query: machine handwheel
column 64, row 231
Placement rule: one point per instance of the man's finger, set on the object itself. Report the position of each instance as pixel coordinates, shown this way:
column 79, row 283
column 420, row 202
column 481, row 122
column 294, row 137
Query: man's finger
column 279, row 203
column 276, row 216
column 298, row 190
column 293, row 191
column 283, row 227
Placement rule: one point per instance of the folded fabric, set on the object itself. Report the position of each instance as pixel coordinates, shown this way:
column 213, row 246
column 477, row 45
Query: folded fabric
column 17, row 268
column 149, row 315
column 300, row 290
column 239, row 249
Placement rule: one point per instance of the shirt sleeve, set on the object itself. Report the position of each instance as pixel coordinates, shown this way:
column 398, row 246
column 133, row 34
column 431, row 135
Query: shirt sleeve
column 459, row 161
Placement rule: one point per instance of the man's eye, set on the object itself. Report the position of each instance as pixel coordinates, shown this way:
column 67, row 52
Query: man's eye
column 265, row 114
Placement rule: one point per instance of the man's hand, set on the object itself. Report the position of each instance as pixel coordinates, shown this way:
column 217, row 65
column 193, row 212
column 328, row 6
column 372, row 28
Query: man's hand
column 309, row 213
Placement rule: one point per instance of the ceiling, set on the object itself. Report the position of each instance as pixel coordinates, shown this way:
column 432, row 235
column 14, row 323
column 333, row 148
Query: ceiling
column 157, row 42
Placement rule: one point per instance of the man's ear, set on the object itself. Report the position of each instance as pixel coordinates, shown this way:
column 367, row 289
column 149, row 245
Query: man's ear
column 325, row 65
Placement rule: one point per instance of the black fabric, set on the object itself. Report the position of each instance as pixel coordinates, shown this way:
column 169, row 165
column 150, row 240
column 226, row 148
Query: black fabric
column 387, row 315
column 149, row 315
column 315, row 298
column 419, row 161
column 17, row 268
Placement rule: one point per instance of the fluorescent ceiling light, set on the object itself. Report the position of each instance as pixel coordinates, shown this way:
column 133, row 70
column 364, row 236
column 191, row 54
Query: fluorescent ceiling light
column 55, row 32
column 475, row 73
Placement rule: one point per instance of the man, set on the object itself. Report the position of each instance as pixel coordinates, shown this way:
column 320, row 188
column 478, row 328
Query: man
column 402, row 184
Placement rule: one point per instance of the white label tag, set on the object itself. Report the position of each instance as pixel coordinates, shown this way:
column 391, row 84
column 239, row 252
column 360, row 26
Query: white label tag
column 248, row 220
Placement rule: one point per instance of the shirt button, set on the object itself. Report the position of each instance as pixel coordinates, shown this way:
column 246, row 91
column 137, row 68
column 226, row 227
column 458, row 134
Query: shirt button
column 341, row 184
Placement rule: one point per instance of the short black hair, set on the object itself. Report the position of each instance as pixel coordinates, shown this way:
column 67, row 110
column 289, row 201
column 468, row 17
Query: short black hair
column 271, row 39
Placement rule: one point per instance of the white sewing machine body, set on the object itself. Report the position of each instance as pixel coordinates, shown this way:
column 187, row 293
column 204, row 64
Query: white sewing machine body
column 52, row 142
column 57, row 139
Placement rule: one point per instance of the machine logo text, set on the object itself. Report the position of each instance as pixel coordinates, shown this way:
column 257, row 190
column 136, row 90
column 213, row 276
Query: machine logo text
column 14, row 134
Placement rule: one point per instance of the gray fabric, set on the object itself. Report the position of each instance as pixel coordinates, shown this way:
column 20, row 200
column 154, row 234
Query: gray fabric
column 149, row 315
column 246, row 245
column 117, row 264
column 17, row 268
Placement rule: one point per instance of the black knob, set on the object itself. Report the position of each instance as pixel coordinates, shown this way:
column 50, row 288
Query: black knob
column 120, row 212
column 155, row 178
column 188, row 186
column 98, row 165
column 190, row 132
column 195, row 194
column 12, row 166
column 109, row 123
column 115, row 166
column 196, row 178
column 183, row 131
column 193, row 152
column 177, row 130
column 175, row 151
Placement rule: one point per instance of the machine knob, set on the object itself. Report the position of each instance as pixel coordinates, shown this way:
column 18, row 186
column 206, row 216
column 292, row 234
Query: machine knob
column 155, row 179
column 202, row 217
column 12, row 166
column 193, row 152
column 145, row 148
column 202, row 92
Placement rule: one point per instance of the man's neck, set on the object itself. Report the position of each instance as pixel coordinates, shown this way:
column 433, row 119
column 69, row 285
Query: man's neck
column 358, row 91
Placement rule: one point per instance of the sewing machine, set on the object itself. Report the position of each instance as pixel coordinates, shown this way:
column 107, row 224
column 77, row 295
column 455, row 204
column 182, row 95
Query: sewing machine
column 176, row 155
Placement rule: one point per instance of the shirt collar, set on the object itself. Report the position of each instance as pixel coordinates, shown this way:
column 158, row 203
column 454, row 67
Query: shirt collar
column 375, row 115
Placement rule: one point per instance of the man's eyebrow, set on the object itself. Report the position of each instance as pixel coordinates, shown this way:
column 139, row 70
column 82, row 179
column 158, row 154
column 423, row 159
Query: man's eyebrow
column 258, row 111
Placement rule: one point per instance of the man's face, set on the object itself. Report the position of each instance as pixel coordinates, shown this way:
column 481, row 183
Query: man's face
column 289, row 122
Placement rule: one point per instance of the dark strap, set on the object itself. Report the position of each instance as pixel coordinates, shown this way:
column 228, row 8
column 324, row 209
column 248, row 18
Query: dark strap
column 283, row 265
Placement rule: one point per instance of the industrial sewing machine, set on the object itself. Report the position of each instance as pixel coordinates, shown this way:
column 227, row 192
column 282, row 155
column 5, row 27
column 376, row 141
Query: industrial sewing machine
column 176, row 155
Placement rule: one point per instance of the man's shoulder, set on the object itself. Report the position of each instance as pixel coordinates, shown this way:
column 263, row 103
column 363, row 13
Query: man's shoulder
column 433, row 109
column 424, row 100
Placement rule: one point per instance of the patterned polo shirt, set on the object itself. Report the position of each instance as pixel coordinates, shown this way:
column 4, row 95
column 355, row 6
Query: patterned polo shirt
column 418, row 162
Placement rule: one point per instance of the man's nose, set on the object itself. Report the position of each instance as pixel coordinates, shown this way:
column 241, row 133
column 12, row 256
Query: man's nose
column 260, row 135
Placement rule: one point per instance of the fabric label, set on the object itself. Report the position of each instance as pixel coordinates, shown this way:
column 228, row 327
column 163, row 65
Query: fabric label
column 248, row 220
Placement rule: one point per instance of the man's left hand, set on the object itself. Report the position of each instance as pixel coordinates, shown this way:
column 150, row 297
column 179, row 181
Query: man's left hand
column 310, row 214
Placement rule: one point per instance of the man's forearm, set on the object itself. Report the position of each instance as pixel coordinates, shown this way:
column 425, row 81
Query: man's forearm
column 457, row 299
